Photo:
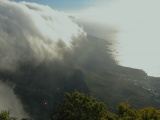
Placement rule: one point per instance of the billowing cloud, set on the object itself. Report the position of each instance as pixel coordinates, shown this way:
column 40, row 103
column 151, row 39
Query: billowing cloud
column 31, row 32
column 137, row 23
column 9, row 101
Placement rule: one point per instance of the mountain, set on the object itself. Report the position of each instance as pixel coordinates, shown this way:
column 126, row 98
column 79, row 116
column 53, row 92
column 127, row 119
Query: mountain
column 90, row 69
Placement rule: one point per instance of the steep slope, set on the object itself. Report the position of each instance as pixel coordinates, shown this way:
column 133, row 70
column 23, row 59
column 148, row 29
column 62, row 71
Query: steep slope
column 113, row 83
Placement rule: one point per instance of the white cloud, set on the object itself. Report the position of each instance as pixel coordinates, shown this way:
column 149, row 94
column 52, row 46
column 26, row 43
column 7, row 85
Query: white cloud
column 29, row 32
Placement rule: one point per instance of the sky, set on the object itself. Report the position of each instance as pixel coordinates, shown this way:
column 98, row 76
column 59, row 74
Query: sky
column 133, row 24
column 66, row 4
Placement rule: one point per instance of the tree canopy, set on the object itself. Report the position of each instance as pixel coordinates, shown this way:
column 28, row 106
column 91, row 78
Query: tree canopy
column 79, row 106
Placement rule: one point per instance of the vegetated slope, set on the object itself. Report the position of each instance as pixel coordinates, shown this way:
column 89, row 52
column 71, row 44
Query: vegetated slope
column 113, row 83
column 89, row 68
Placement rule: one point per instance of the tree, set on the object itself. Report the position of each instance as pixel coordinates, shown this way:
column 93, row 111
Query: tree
column 79, row 106
column 149, row 113
column 4, row 115
column 125, row 112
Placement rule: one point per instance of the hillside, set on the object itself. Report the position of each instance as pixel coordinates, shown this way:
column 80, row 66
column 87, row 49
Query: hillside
column 89, row 68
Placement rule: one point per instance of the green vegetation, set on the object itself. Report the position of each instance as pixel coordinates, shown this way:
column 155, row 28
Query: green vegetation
column 5, row 115
column 79, row 106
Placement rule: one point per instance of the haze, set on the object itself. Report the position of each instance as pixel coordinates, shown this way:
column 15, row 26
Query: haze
column 134, row 27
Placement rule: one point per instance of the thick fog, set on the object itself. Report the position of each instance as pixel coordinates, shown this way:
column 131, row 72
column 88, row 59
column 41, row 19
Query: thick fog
column 31, row 33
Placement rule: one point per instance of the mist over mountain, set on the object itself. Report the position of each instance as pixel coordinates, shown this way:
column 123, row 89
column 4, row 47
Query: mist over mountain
column 44, row 53
column 32, row 32
column 32, row 37
column 134, row 25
